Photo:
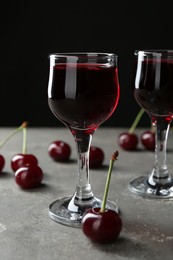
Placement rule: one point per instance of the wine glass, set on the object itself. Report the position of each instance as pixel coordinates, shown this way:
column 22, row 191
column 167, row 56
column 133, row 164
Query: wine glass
column 153, row 90
column 83, row 92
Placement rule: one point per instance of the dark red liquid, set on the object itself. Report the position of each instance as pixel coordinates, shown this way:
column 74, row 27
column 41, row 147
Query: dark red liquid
column 83, row 97
column 154, row 87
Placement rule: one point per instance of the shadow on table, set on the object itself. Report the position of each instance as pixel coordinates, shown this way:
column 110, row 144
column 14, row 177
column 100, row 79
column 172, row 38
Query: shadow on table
column 69, row 161
column 40, row 188
column 6, row 175
column 125, row 246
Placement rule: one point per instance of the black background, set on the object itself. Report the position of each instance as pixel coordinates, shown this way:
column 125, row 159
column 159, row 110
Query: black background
column 31, row 30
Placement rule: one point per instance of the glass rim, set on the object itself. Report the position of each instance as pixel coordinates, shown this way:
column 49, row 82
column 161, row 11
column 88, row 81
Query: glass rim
column 155, row 52
column 83, row 54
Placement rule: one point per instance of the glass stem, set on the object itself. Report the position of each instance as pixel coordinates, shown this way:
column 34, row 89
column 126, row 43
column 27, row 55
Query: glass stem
column 160, row 175
column 83, row 188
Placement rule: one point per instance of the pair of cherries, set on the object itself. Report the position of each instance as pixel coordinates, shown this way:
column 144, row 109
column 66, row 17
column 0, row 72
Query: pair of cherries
column 28, row 174
column 60, row 151
column 129, row 141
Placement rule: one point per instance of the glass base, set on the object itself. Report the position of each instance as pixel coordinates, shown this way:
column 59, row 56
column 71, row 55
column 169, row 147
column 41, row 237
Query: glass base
column 66, row 212
column 141, row 187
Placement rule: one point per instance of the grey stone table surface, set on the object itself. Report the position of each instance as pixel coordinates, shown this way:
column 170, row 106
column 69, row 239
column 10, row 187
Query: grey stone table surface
column 26, row 230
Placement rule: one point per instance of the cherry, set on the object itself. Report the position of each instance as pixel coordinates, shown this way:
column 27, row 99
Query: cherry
column 101, row 227
column 21, row 159
column 129, row 140
column 29, row 176
column 2, row 162
column 99, row 224
column 148, row 140
column 59, row 151
column 96, row 157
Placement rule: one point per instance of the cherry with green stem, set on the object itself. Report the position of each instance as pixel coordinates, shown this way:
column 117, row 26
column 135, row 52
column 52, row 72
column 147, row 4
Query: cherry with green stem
column 129, row 140
column 28, row 174
column 20, row 159
column 103, row 225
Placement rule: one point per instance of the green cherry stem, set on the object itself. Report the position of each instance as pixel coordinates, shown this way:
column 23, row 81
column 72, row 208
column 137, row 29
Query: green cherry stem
column 113, row 159
column 18, row 129
column 136, row 121
column 152, row 129
column 24, row 146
